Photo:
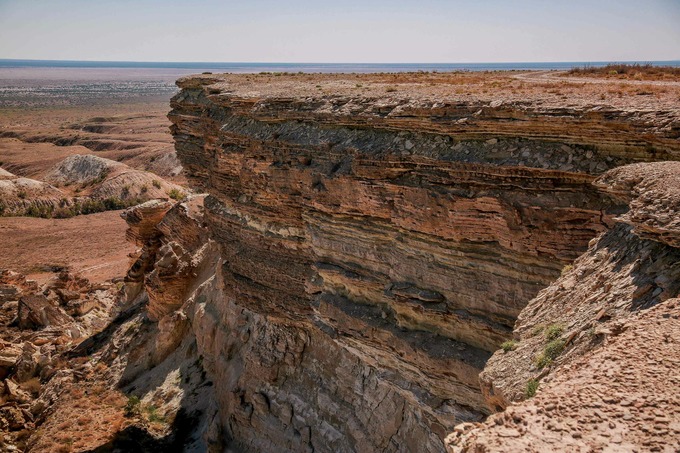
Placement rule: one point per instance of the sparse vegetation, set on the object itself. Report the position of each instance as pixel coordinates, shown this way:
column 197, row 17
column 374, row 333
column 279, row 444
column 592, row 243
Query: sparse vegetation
column 532, row 387
column 153, row 415
column 133, row 406
column 176, row 194
column 156, row 183
column 78, row 207
column 101, row 178
column 629, row 71
column 509, row 345
column 566, row 269
column 22, row 194
column 550, row 352
column 553, row 332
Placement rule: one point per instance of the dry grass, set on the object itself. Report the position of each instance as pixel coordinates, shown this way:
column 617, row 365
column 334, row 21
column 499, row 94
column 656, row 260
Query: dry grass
column 629, row 71
column 88, row 417
column 31, row 386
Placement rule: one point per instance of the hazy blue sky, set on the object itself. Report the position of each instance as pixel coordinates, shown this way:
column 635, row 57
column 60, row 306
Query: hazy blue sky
column 341, row 30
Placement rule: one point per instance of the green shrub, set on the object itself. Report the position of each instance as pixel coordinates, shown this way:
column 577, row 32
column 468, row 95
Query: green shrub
column 553, row 332
column 133, row 406
column 532, row 387
column 176, row 194
column 153, row 415
column 41, row 211
column 156, row 183
column 509, row 345
column 22, row 194
column 550, row 352
column 63, row 213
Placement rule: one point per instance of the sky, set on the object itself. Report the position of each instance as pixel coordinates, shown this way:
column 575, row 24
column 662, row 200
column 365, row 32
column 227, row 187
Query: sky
column 341, row 31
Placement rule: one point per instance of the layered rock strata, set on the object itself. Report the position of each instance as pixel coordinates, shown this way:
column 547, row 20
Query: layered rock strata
column 375, row 250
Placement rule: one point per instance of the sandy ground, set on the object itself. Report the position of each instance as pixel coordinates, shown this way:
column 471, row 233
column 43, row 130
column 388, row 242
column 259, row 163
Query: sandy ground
column 93, row 245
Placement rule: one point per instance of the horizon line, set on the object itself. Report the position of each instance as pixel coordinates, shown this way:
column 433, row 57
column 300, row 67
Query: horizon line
column 339, row 63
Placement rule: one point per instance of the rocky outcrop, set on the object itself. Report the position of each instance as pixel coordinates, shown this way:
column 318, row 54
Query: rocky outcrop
column 38, row 324
column 20, row 195
column 619, row 397
column 653, row 193
column 110, row 178
column 82, row 184
column 376, row 250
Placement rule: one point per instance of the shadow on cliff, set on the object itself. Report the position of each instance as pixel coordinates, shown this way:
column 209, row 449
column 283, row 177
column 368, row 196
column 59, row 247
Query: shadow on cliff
column 652, row 265
column 97, row 341
column 176, row 369
column 135, row 439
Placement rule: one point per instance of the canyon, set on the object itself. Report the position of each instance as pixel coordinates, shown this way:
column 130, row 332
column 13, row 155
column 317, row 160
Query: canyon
column 376, row 248
column 378, row 262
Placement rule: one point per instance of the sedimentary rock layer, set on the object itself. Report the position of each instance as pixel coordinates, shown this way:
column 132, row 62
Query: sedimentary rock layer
column 376, row 250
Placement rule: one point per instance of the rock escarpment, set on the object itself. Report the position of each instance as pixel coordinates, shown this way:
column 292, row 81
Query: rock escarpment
column 375, row 250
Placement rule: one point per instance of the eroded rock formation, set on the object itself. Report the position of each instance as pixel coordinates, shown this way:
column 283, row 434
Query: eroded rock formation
column 600, row 344
column 375, row 250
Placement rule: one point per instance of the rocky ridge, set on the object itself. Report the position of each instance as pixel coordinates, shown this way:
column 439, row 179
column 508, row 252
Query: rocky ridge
column 81, row 184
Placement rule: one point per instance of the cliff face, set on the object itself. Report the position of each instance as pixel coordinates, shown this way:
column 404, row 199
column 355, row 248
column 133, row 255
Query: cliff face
column 375, row 250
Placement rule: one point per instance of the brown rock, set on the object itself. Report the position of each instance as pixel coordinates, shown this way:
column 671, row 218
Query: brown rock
column 35, row 311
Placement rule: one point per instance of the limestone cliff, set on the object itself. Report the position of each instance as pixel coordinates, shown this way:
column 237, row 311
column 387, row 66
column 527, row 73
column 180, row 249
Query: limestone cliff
column 376, row 249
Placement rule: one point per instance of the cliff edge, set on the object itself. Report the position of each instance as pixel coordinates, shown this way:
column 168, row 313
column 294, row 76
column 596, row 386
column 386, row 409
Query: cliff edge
column 379, row 236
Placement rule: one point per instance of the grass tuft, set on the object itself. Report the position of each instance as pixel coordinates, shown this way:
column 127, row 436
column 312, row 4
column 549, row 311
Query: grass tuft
column 532, row 387
column 553, row 332
column 509, row 345
column 550, row 352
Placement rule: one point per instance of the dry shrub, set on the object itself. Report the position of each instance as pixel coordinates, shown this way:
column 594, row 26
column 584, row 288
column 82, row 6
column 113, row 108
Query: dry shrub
column 32, row 386
column 629, row 71
column 98, row 389
column 64, row 425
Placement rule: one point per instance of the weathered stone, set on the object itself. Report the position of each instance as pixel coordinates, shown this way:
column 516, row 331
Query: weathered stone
column 36, row 311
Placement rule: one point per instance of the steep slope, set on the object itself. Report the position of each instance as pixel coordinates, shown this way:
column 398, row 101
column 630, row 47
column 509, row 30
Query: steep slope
column 377, row 248
column 601, row 342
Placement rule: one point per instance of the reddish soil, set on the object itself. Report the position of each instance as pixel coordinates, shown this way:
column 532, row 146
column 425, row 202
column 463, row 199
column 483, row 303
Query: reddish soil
column 93, row 245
